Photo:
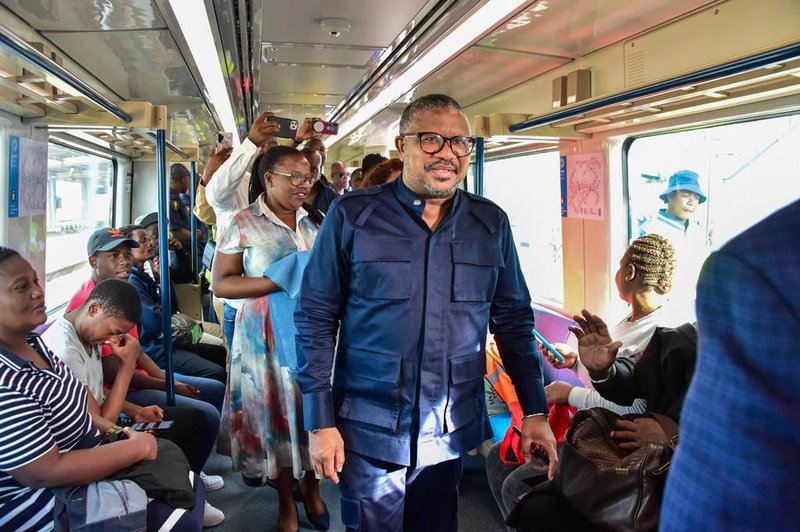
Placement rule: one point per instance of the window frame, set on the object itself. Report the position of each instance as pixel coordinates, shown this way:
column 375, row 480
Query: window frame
column 57, row 309
column 630, row 140
column 539, row 300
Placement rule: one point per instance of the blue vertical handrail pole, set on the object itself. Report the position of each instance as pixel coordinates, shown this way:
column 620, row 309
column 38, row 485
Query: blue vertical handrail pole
column 192, row 200
column 479, row 166
column 163, row 254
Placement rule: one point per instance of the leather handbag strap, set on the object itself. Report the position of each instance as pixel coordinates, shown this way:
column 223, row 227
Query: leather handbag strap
column 669, row 427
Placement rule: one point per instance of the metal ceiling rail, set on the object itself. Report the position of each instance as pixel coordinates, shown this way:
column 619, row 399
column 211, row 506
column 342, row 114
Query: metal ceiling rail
column 170, row 145
column 734, row 67
column 30, row 54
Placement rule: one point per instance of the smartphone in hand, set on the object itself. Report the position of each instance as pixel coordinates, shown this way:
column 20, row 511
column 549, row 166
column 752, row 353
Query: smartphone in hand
column 152, row 425
column 288, row 127
column 325, row 128
column 224, row 140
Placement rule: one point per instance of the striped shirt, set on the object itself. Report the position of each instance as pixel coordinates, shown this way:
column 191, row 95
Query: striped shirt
column 39, row 408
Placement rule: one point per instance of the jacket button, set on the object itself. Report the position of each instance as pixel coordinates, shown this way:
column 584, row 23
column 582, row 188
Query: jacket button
column 417, row 202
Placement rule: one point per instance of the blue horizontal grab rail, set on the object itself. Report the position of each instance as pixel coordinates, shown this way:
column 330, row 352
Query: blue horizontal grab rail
column 30, row 54
column 728, row 69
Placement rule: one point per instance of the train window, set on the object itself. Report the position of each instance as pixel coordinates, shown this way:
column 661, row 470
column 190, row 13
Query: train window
column 80, row 199
column 527, row 188
column 745, row 169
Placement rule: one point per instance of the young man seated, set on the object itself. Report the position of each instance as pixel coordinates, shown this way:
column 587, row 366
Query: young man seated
column 103, row 319
column 110, row 258
column 207, row 357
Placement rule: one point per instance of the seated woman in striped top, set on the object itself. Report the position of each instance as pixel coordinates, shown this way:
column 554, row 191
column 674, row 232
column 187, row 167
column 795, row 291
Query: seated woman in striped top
column 44, row 413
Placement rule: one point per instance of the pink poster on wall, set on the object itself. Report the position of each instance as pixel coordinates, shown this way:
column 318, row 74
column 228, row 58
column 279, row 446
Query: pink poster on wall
column 586, row 186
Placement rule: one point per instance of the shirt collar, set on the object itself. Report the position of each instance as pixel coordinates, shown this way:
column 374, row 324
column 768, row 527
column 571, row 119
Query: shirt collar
column 18, row 362
column 671, row 220
column 260, row 208
column 414, row 201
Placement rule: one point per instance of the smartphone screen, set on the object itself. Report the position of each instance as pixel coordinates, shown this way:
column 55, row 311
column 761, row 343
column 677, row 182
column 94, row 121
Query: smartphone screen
column 152, row 425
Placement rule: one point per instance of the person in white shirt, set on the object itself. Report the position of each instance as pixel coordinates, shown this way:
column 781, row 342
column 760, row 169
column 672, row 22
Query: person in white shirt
column 227, row 192
column 643, row 280
column 104, row 319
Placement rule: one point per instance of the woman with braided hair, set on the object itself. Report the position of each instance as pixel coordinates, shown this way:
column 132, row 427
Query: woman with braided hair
column 643, row 280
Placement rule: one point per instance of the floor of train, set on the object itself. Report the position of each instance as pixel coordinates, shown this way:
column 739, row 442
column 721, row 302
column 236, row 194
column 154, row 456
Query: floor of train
column 248, row 508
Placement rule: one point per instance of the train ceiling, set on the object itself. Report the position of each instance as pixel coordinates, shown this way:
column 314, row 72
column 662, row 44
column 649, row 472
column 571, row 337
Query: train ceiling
column 277, row 56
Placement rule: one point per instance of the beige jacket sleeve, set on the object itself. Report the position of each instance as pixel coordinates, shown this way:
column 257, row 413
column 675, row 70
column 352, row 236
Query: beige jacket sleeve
column 204, row 212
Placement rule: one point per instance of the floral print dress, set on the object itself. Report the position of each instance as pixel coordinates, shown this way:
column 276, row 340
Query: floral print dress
column 263, row 404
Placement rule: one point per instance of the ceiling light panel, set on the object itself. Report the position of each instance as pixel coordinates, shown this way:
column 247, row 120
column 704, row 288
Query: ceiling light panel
column 194, row 23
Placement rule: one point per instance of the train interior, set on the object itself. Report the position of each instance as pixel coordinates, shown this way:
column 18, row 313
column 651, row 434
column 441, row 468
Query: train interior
column 632, row 91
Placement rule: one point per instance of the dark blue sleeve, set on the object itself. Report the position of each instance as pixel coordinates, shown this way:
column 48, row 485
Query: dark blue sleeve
column 740, row 413
column 511, row 323
column 179, row 218
column 150, row 322
column 319, row 309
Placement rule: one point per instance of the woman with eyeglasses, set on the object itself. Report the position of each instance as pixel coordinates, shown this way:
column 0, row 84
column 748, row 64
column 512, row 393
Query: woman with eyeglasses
column 263, row 402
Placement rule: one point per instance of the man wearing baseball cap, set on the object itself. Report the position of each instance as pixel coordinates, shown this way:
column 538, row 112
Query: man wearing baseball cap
column 110, row 254
column 682, row 196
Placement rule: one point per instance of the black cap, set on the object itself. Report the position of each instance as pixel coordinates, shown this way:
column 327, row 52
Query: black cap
column 177, row 171
column 147, row 220
column 106, row 239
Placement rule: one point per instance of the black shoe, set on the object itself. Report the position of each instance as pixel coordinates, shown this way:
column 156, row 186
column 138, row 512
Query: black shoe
column 252, row 481
column 256, row 482
column 321, row 521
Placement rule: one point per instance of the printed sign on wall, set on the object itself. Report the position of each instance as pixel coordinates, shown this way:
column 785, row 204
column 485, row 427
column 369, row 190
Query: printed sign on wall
column 563, row 168
column 27, row 177
column 584, row 193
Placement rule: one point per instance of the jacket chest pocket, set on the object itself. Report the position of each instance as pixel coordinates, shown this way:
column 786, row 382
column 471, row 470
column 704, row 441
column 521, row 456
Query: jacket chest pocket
column 476, row 267
column 371, row 391
column 382, row 268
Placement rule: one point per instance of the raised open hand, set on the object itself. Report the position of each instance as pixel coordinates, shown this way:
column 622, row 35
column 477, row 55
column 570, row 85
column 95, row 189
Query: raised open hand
column 596, row 348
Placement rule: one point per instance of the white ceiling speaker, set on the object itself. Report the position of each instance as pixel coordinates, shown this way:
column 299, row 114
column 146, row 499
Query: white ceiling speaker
column 335, row 26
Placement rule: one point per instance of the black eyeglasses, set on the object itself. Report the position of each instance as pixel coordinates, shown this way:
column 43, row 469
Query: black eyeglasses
column 297, row 179
column 432, row 143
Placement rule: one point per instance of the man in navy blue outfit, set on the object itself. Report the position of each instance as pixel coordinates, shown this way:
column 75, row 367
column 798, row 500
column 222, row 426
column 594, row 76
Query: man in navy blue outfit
column 410, row 275
column 738, row 461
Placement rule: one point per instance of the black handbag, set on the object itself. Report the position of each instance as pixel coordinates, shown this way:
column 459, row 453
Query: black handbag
column 165, row 479
column 611, row 487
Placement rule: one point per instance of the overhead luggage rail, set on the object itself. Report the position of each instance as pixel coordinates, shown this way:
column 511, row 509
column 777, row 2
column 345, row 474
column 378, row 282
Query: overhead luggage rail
column 63, row 78
column 696, row 89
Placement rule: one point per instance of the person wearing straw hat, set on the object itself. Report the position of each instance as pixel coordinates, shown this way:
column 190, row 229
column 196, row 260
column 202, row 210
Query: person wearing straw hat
column 674, row 221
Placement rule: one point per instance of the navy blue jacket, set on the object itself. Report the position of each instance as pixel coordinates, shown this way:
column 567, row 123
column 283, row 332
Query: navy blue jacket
column 150, row 333
column 411, row 308
column 325, row 196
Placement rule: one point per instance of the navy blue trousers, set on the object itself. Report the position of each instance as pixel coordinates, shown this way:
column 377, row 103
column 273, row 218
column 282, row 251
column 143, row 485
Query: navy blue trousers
column 385, row 497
